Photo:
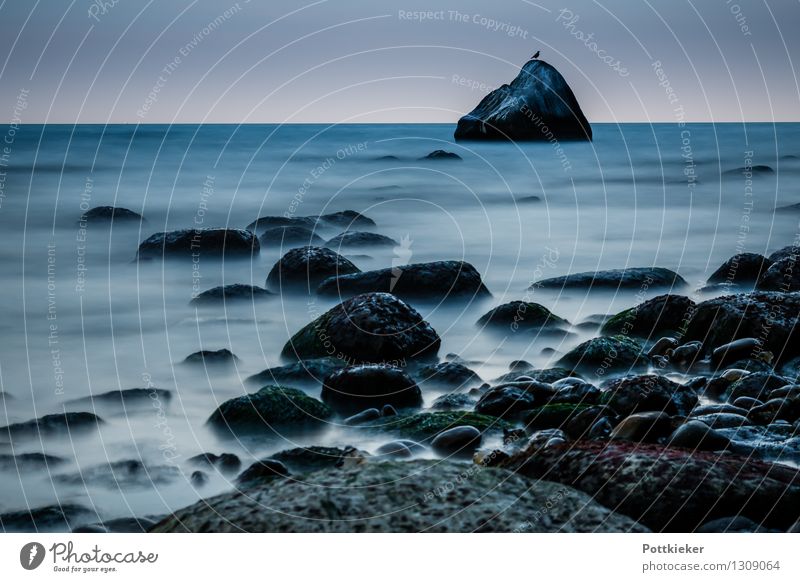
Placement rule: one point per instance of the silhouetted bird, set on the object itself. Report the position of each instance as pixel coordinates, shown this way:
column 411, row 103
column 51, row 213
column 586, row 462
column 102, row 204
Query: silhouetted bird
column 536, row 56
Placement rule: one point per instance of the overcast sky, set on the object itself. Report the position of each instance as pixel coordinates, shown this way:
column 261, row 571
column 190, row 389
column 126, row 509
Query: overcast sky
column 182, row 61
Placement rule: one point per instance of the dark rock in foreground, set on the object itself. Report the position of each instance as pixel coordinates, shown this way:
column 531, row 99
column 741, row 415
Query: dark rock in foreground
column 633, row 278
column 435, row 281
column 783, row 275
column 369, row 328
column 53, row 425
column 271, row 408
column 306, row 267
column 538, row 105
column 772, row 318
column 107, row 214
column 400, row 497
column 669, row 489
column 236, row 292
column 356, row 388
column 200, row 243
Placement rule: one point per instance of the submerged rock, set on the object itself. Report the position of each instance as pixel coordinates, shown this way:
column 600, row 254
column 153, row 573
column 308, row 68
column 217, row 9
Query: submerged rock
column 346, row 219
column 199, row 243
column 435, row 281
column 122, row 475
column 51, row 518
column 29, row 461
column 53, row 425
column 423, row 426
column 226, row 462
column 106, row 214
column 306, row 267
column 272, row 407
column 267, row 222
column 521, row 315
column 223, row 357
column 358, row 499
column 657, row 315
column 632, row 278
column 356, row 239
column 124, row 399
column 355, row 388
column 670, row 489
column 441, row 155
column 310, row 371
column 450, row 374
column 231, row 293
column 302, row 460
column 538, row 105
column 369, row 328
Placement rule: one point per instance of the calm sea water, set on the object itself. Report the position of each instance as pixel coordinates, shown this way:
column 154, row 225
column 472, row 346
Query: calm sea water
column 80, row 317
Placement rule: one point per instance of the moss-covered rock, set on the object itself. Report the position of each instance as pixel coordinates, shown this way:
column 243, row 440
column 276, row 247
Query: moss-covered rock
column 275, row 407
column 369, row 328
column 522, row 315
column 651, row 318
column 602, row 355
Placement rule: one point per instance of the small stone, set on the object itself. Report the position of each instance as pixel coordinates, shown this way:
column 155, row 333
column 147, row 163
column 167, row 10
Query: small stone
column 367, row 415
column 460, row 440
column 199, row 478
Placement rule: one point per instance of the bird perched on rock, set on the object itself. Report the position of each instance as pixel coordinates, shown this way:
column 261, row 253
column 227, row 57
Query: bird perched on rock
column 536, row 56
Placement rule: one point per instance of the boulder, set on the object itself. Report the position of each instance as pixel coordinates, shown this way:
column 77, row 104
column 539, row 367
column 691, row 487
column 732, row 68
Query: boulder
column 435, row 281
column 648, row 393
column 272, row 407
column 457, row 441
column 225, row 463
column 199, row 243
column 107, row 214
column 223, row 357
column 792, row 251
column 508, row 400
column 602, row 355
column 770, row 317
column 368, row 328
column 346, row 219
column 405, row 496
column 303, row 460
column 741, row 268
column 441, row 155
column 756, row 385
column 267, row 222
column 655, row 316
column 630, row 278
column 698, row 436
column 355, row 239
column 236, row 292
column 454, row 402
column 355, row 388
column 669, row 489
column 643, row 427
column 424, row 426
column 538, row 105
column 306, row 267
column 783, row 276
column 521, row 315
column 59, row 424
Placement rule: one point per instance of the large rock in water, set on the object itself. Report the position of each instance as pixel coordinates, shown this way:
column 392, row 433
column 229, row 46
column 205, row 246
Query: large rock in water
column 413, row 496
column 306, row 267
column 357, row 388
column 632, row 278
column 649, row 319
column 190, row 243
column 772, row 318
column 537, row 105
column 434, row 281
column 669, row 489
column 368, row 328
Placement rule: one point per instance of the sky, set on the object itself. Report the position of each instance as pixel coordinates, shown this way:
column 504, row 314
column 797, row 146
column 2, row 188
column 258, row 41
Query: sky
column 362, row 61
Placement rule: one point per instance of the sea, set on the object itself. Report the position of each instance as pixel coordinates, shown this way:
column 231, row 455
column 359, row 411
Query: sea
column 81, row 316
